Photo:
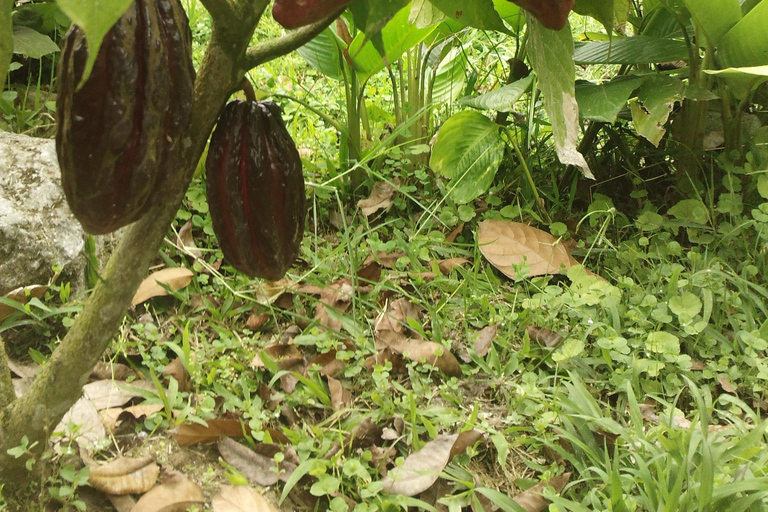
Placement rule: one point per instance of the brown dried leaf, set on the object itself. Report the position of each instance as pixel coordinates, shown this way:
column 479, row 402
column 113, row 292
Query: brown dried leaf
column 23, row 370
column 174, row 278
column 341, row 398
column 188, row 434
column 328, row 363
column 286, row 355
column 258, row 468
column 544, row 336
column 697, row 365
column 453, row 234
column 186, row 242
column 176, row 494
column 423, row 351
column 370, row 271
column 256, row 321
column 380, row 198
column 366, row 434
column 106, row 394
column 532, row 500
column 20, row 295
column 422, row 468
column 506, row 243
column 726, row 385
column 446, row 266
column 110, row 417
column 91, row 429
column 241, row 499
column 395, row 317
column 385, row 259
column 121, row 503
column 110, row 371
column 124, row 476
column 485, row 338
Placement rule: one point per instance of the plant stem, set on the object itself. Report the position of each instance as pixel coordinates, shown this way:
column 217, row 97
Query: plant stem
column 528, row 175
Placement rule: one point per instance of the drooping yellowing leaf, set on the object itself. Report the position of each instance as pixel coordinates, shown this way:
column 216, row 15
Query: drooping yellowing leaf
column 174, row 278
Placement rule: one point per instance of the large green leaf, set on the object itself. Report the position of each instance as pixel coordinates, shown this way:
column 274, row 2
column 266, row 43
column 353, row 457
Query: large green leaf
column 322, row 53
column 550, row 52
column 631, row 50
column 6, row 39
column 604, row 11
column 746, row 44
column 654, row 103
column 742, row 80
column 510, row 14
column 397, row 37
column 603, row 102
column 32, row 43
column 424, row 14
column 477, row 13
column 450, row 78
column 502, row 99
column 468, row 151
column 715, row 17
column 95, row 17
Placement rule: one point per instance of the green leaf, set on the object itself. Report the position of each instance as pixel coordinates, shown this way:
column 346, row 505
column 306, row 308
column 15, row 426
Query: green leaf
column 603, row 102
column 715, row 17
column 653, row 105
column 550, row 52
column 424, row 14
column 746, row 44
column 685, row 307
column 31, row 43
column 762, row 185
column 468, row 151
column 606, row 12
column 663, row 343
column 742, row 81
column 690, row 210
column 450, row 77
column 95, row 17
column 372, row 15
column 631, row 50
column 397, row 37
column 6, row 39
column 478, row 13
column 510, row 14
column 322, row 53
column 502, row 99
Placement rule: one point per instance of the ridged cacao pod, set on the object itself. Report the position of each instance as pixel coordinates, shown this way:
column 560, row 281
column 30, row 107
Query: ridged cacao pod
column 298, row 13
column 122, row 131
column 255, row 189
column 553, row 14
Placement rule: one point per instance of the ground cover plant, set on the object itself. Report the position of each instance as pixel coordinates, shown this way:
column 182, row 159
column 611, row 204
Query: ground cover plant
column 471, row 323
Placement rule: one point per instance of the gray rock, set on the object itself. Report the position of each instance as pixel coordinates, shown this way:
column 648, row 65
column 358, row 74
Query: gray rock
column 37, row 229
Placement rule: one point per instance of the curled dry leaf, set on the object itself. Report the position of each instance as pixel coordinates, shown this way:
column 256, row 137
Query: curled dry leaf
column 726, row 384
column 544, row 336
column 341, row 398
column 485, row 338
column 532, row 500
column 177, row 370
column 110, row 371
column 422, row 468
column 453, row 234
column 174, row 278
column 385, row 259
column 256, row 321
column 176, row 494
column 21, row 295
column 188, row 434
column 446, row 266
column 258, row 468
column 366, row 434
column 187, row 242
column 125, row 476
column 110, row 417
column 241, row 499
column 505, row 244
column 420, row 351
column 380, row 198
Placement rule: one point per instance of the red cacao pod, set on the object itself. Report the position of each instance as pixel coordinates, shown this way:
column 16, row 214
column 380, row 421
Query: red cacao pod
column 553, row 14
column 255, row 189
column 298, row 13
column 122, row 131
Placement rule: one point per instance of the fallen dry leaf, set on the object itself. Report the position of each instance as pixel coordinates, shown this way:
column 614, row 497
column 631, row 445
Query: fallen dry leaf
column 429, row 352
column 90, row 427
column 505, row 244
column 176, row 494
column 385, row 259
column 532, row 500
column 174, row 278
column 422, row 468
column 446, row 266
column 186, row 242
column 380, row 198
column 328, row 363
column 188, row 434
column 241, row 499
column 21, row 295
column 726, row 385
column 453, row 234
column 256, row 321
column 341, row 398
column 105, row 394
column 23, row 370
column 485, row 339
column 258, row 468
column 124, row 475
column 110, row 371
column 544, row 336
column 110, row 417
column 177, row 370
column 366, row 434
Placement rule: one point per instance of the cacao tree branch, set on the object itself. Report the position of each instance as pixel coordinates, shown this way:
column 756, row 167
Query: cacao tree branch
column 60, row 382
column 7, row 394
column 220, row 10
column 264, row 52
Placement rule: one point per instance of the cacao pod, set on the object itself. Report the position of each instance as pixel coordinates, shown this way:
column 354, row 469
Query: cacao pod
column 553, row 14
column 298, row 13
column 121, row 132
column 255, row 189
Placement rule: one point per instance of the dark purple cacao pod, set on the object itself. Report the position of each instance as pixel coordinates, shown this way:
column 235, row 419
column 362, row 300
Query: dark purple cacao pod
column 121, row 133
column 298, row 13
column 255, row 189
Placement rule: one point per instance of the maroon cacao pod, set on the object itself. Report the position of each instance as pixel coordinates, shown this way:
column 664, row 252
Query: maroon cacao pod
column 122, row 131
column 298, row 13
column 255, row 189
